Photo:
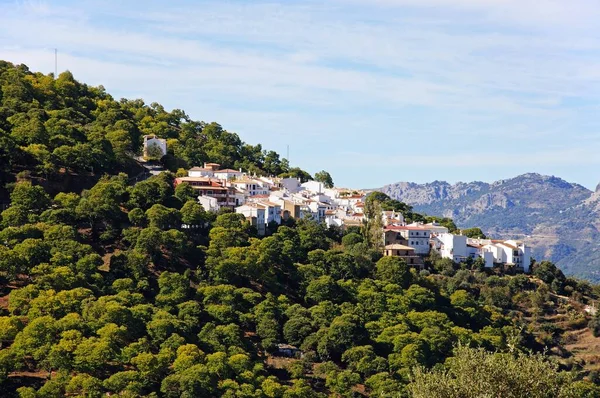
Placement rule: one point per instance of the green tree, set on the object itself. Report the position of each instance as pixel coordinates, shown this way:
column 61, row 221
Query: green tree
column 393, row 270
column 185, row 192
column 325, row 178
column 477, row 373
column 193, row 214
column 32, row 198
column 474, row 233
column 162, row 217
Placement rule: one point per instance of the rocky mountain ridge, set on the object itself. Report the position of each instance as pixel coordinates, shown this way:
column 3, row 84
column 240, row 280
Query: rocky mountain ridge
column 561, row 220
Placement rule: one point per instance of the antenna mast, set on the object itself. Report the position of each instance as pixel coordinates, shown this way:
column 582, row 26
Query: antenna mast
column 56, row 63
column 288, row 154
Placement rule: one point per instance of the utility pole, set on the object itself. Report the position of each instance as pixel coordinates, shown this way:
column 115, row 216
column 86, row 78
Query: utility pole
column 55, row 63
column 287, row 156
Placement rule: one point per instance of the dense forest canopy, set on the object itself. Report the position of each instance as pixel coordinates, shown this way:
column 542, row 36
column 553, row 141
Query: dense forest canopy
column 133, row 289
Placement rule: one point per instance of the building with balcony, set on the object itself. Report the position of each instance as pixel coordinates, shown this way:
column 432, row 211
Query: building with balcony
column 204, row 186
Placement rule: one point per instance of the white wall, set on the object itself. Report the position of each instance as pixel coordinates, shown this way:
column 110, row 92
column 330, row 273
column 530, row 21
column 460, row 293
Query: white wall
column 200, row 173
column 291, row 184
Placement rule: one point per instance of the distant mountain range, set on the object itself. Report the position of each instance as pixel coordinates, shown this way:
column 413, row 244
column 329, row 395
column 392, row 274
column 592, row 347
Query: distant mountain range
column 560, row 220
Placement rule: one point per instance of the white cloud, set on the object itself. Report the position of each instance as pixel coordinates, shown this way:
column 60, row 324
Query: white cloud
column 352, row 73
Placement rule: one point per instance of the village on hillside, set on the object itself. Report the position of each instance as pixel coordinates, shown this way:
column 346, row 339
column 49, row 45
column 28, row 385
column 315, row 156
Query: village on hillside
column 266, row 202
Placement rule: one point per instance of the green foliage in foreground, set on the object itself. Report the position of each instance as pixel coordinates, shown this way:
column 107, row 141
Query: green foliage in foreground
column 477, row 373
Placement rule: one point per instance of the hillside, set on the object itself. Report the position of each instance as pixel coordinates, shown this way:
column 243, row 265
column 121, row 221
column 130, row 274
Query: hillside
column 559, row 219
column 119, row 286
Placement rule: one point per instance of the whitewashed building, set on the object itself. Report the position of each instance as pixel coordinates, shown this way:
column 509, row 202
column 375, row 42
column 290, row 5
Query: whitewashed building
column 255, row 213
column 416, row 236
column 228, row 174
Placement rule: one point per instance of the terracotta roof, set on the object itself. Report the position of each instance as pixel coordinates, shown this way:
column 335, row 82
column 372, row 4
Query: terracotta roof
column 258, row 197
column 227, row 171
column 196, row 168
column 474, row 245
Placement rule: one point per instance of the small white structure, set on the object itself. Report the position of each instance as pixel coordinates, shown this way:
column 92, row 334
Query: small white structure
column 331, row 219
column 201, row 172
column 317, row 209
column 314, row 187
column 475, row 250
column 251, row 186
column 228, row 174
column 255, row 214
column 436, row 228
column 272, row 211
column 452, row 246
column 392, row 218
column 209, row 203
column 151, row 142
column 291, row 184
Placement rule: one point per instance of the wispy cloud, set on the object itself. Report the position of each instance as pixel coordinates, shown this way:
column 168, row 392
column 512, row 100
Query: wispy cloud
column 327, row 77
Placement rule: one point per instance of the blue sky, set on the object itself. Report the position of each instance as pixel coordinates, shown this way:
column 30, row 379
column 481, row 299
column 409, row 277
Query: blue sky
column 374, row 91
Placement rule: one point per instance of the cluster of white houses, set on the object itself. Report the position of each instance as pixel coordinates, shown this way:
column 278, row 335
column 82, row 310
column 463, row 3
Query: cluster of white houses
column 416, row 240
column 267, row 201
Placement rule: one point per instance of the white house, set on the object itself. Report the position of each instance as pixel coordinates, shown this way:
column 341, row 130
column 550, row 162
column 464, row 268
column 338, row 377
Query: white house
column 436, row 228
column 516, row 253
column 417, row 237
column 291, row 184
column 348, row 202
column 318, row 210
column 314, row 186
column 475, row 250
column 207, row 171
column 332, row 220
column 209, row 203
column 255, row 214
column 151, row 141
column 251, row 186
column 200, row 172
column 228, row 174
column 392, row 218
column 272, row 211
column 452, row 246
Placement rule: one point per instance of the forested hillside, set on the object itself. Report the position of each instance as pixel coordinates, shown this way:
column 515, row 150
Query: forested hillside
column 133, row 289
column 54, row 129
